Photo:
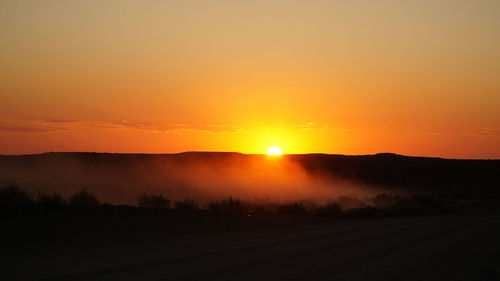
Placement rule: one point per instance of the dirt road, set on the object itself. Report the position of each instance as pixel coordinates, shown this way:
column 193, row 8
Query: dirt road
column 428, row 248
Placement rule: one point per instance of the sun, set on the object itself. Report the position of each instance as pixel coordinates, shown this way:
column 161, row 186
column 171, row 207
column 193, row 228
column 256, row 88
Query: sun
column 274, row 150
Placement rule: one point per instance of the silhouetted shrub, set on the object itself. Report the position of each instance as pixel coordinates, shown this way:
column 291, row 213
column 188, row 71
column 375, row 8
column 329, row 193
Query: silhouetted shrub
column 366, row 212
column 52, row 201
column 386, row 199
column 263, row 208
column 350, row 203
column 12, row 198
column 83, row 198
column 186, row 204
column 296, row 208
column 153, row 201
column 417, row 204
column 329, row 210
column 229, row 206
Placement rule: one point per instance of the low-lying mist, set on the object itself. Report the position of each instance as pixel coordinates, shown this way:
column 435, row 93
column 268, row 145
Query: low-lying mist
column 121, row 179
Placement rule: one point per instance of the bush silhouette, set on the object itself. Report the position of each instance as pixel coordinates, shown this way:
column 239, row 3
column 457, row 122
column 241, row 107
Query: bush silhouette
column 187, row 204
column 293, row 208
column 367, row 212
column 417, row 204
column 348, row 203
column 263, row 208
column 83, row 198
column 153, row 201
column 52, row 201
column 386, row 199
column 329, row 210
column 12, row 198
column 15, row 200
column 229, row 206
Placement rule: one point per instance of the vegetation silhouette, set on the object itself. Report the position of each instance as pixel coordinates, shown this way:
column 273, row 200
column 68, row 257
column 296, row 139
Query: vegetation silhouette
column 83, row 198
column 296, row 208
column 227, row 206
column 50, row 202
column 15, row 201
column 153, row 201
column 186, row 205
column 331, row 209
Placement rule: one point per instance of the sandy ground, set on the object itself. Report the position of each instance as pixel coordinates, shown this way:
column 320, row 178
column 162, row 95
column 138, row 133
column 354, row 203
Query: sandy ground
column 450, row 247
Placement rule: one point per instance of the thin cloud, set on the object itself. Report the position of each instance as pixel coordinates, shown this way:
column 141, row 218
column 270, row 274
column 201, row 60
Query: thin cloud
column 54, row 125
column 495, row 132
column 28, row 129
column 209, row 129
column 31, row 126
column 424, row 133
column 58, row 121
column 490, row 132
column 314, row 126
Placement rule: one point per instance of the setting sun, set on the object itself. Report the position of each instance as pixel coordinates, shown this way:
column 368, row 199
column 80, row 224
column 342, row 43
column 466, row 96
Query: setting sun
column 287, row 127
column 274, row 150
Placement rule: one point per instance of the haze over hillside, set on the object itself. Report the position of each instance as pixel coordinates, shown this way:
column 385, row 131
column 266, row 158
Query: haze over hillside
column 202, row 176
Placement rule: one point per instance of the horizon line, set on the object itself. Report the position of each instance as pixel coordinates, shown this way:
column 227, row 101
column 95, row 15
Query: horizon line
column 235, row 152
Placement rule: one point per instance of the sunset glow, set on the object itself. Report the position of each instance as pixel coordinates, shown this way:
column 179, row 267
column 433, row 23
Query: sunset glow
column 250, row 139
column 409, row 77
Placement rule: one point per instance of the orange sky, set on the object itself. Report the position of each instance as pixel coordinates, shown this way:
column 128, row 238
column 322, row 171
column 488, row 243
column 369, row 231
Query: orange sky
column 348, row 77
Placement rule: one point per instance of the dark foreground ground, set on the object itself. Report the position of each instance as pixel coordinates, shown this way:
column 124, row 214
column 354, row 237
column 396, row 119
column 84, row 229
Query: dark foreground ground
column 140, row 246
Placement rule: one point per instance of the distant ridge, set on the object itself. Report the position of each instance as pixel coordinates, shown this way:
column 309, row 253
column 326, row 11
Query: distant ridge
column 381, row 154
column 382, row 169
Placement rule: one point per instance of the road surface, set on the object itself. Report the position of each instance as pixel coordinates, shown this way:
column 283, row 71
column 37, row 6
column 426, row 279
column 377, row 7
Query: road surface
column 450, row 247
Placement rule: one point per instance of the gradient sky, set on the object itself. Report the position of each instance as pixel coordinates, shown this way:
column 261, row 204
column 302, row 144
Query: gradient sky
column 349, row 77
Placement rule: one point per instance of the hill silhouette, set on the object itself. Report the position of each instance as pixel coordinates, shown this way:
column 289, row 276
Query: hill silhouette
column 122, row 178
column 393, row 170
